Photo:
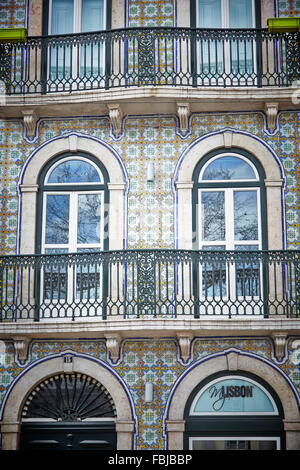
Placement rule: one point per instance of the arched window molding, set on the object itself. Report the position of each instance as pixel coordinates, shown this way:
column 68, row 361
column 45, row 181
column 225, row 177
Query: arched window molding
column 11, row 419
column 236, row 193
column 29, row 187
column 273, row 184
column 91, row 199
column 231, row 361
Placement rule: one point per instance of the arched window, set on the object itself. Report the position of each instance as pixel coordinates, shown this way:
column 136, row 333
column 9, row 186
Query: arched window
column 72, row 219
column 229, row 215
column 229, row 201
column 71, row 206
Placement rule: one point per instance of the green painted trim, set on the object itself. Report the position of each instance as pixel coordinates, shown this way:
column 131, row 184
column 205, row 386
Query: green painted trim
column 13, row 35
column 283, row 25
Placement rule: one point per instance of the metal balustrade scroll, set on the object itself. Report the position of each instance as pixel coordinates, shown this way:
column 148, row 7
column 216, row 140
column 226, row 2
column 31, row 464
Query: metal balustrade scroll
column 150, row 284
column 137, row 57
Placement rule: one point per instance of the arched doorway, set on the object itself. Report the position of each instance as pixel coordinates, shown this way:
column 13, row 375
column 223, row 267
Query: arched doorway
column 233, row 411
column 68, row 411
column 66, row 363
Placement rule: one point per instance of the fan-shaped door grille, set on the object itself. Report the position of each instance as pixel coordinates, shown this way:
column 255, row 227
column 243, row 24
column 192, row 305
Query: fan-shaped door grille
column 69, row 397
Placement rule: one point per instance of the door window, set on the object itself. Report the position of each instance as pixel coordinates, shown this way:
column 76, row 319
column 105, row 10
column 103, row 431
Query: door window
column 84, row 58
column 232, row 59
column 227, row 214
column 76, row 16
column 73, row 198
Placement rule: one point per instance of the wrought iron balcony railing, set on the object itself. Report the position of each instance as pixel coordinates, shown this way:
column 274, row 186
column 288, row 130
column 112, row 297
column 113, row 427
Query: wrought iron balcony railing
column 140, row 57
column 150, row 284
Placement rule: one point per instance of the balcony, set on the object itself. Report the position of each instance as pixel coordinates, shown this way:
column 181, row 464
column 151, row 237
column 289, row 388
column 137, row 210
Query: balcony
column 155, row 57
column 150, row 284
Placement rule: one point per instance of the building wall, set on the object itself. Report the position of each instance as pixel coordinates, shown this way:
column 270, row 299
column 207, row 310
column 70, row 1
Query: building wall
column 157, row 361
column 150, row 214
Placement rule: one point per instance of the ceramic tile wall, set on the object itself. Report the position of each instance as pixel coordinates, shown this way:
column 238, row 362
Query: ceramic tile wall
column 151, row 12
column 13, row 13
column 150, row 221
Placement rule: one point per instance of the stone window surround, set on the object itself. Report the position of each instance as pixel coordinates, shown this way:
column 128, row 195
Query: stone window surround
column 11, row 421
column 232, row 361
column 29, row 188
column 273, row 183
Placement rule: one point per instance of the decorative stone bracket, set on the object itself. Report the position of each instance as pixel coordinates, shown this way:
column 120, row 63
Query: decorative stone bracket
column 227, row 137
column 271, row 110
column 115, row 115
column 183, row 112
column 184, row 340
column 21, row 347
column 113, row 344
column 30, row 119
column 279, row 342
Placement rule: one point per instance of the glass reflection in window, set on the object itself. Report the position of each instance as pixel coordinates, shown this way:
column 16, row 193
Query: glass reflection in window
column 74, row 171
column 228, row 168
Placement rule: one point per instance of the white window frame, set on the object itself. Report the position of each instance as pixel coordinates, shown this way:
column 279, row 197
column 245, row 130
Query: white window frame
column 76, row 55
column 225, row 13
column 77, row 19
column 225, row 20
column 229, row 243
column 235, row 438
column 72, row 246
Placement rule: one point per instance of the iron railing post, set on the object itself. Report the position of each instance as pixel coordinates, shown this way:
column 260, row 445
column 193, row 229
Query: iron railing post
column 44, row 65
column 259, row 58
column 108, row 59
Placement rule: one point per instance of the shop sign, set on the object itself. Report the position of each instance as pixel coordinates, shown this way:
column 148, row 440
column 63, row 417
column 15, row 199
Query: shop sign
column 233, row 395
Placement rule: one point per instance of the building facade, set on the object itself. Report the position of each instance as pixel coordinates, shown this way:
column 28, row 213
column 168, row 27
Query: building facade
column 150, row 216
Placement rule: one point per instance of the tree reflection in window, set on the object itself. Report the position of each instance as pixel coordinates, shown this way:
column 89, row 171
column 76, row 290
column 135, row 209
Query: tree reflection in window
column 229, row 218
column 74, row 171
column 228, row 168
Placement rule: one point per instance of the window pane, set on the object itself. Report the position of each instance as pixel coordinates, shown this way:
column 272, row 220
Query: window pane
column 214, row 275
column 228, row 168
column 240, row 12
column 245, row 215
column 62, row 16
column 213, row 215
column 74, row 171
column 92, row 54
column 209, row 14
column 57, row 219
column 89, row 214
column 92, row 15
column 248, row 279
column 55, row 277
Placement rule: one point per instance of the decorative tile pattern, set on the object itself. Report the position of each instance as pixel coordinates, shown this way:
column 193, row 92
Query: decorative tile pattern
column 150, row 204
column 288, row 7
column 13, row 13
column 40, row 350
column 150, row 13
